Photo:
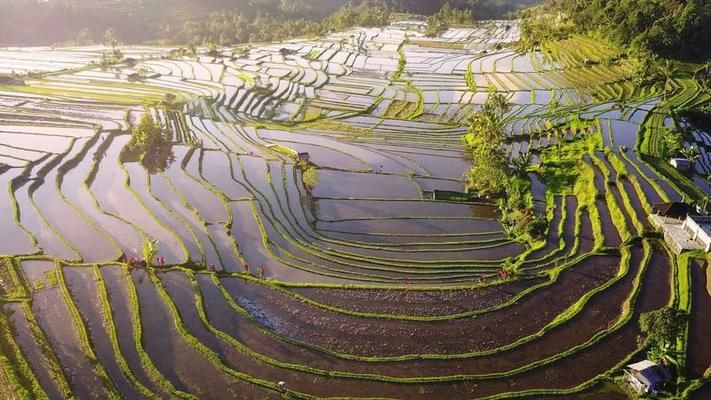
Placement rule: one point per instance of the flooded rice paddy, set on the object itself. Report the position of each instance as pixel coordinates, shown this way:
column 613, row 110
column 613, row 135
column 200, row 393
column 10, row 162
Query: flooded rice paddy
column 367, row 284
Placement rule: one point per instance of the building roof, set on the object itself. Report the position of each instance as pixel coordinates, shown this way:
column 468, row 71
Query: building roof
column 649, row 373
column 674, row 209
column 703, row 222
column 681, row 164
column 680, row 161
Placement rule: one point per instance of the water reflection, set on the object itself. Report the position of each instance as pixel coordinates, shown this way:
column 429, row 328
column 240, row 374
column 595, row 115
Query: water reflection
column 155, row 158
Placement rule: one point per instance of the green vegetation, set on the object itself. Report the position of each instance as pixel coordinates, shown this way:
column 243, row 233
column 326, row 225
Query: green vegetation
column 10, row 287
column 310, row 177
column 485, row 138
column 447, row 16
column 185, row 22
column 663, row 326
column 150, row 252
column 672, row 143
column 666, row 28
column 234, row 27
column 114, row 55
column 660, row 42
column 493, row 174
column 280, row 278
column 150, row 144
column 517, row 213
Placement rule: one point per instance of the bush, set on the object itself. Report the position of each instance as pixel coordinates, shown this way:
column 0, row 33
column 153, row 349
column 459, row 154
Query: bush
column 310, row 177
column 150, row 144
column 150, row 251
column 663, row 326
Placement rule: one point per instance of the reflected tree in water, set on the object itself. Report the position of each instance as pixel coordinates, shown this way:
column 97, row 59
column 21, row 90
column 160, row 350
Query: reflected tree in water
column 151, row 145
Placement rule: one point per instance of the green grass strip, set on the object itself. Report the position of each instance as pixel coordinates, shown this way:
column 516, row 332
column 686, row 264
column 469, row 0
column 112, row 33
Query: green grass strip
column 83, row 334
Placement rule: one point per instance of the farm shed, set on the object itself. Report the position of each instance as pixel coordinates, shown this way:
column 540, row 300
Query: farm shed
column 8, row 80
column 674, row 209
column 671, row 219
column 135, row 77
column 699, row 230
column 681, row 164
column 646, row 377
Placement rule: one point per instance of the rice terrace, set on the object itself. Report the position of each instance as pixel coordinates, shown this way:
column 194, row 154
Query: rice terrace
column 398, row 206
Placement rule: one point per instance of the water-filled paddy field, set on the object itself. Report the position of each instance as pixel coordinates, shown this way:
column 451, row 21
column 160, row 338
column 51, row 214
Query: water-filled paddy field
column 370, row 283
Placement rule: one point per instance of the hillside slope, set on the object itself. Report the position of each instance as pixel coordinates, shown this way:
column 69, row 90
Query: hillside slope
column 45, row 22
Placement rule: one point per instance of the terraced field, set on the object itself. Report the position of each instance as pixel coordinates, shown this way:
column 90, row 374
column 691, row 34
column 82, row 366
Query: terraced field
column 369, row 284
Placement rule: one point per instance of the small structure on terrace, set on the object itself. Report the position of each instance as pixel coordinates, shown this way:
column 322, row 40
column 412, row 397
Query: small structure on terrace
column 698, row 228
column 287, row 52
column 10, row 80
column 675, row 209
column 681, row 164
column 646, row 377
column 682, row 227
column 416, row 24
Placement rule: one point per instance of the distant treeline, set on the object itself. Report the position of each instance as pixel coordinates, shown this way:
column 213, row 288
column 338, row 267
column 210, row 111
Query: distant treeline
column 666, row 28
column 293, row 18
column 45, row 22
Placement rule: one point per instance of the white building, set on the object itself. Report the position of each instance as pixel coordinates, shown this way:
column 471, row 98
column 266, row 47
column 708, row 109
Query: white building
column 681, row 164
column 646, row 377
column 699, row 230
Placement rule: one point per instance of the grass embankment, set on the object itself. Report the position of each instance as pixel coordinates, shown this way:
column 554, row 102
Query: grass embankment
column 686, row 94
column 565, row 173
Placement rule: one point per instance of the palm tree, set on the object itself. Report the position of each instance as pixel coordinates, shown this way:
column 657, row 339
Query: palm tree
column 520, row 164
column 110, row 38
column 663, row 353
column 691, row 153
column 673, row 142
column 499, row 103
column 553, row 105
column 560, row 136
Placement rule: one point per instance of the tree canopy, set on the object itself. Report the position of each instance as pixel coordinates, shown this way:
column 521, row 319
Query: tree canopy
column 150, row 144
column 663, row 326
column 669, row 28
column 439, row 22
column 212, row 21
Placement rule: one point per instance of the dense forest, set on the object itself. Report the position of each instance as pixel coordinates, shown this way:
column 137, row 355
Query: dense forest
column 45, row 22
column 666, row 28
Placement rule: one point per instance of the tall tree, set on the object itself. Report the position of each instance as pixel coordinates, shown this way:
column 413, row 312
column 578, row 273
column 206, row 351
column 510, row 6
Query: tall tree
column 111, row 39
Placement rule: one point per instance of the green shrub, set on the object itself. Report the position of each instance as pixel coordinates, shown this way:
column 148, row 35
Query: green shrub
column 150, row 144
column 663, row 326
column 150, row 251
column 310, row 177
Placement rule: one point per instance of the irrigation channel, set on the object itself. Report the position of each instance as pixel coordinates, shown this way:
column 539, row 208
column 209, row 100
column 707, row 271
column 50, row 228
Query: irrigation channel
column 367, row 285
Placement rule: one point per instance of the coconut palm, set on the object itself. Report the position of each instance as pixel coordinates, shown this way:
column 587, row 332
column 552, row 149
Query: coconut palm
column 499, row 103
column 560, row 136
column 110, row 38
column 519, row 165
column 672, row 141
column 691, row 153
column 553, row 105
column 663, row 353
